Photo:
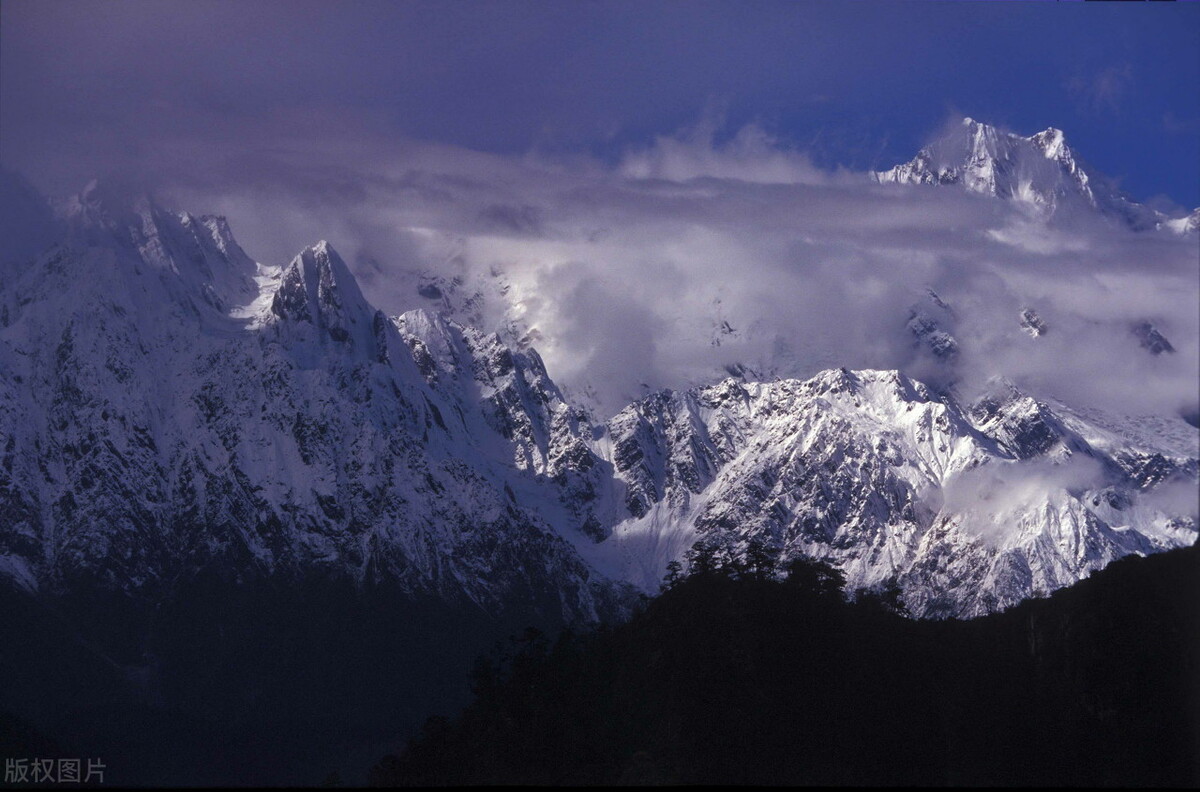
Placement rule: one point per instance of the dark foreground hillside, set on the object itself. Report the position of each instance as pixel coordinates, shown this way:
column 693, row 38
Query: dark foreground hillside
column 220, row 685
column 754, row 681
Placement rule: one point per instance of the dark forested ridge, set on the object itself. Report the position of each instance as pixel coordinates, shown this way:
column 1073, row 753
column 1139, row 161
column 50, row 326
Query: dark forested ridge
column 744, row 679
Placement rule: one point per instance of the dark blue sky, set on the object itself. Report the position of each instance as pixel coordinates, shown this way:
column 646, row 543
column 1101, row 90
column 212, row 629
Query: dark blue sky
column 88, row 88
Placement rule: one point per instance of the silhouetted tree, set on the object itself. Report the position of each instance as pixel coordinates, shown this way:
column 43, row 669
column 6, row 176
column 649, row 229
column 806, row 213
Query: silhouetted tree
column 704, row 558
column 757, row 563
column 673, row 577
column 815, row 577
column 888, row 598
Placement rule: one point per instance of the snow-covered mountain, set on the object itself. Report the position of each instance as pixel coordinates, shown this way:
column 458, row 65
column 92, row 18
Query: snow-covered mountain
column 168, row 407
column 1041, row 171
column 969, row 509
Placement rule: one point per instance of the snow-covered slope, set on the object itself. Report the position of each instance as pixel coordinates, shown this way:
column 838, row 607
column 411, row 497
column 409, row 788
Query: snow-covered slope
column 170, row 408
column 1040, row 171
column 167, row 406
column 969, row 510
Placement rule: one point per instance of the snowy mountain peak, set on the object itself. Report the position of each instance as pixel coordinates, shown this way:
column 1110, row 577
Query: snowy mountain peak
column 317, row 289
column 199, row 252
column 871, row 384
column 113, row 208
column 1040, row 172
column 1053, row 144
column 1188, row 224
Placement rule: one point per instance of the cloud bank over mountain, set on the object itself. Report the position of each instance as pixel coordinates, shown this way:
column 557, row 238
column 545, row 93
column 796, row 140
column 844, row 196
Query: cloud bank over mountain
column 637, row 247
column 694, row 257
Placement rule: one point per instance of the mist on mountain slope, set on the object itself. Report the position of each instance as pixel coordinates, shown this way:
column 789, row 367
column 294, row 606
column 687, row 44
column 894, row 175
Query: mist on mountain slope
column 693, row 258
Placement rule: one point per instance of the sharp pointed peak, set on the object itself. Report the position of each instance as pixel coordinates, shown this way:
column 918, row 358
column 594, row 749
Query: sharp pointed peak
column 317, row 284
column 319, row 249
column 322, row 255
column 1053, row 143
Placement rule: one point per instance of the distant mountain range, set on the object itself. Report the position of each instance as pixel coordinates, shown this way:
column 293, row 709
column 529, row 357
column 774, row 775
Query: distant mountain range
column 169, row 408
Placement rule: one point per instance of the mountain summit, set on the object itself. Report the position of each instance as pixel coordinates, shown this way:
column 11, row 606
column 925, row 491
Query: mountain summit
column 1041, row 171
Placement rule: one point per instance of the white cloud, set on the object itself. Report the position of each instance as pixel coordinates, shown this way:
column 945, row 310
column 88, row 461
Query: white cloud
column 631, row 273
column 751, row 155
